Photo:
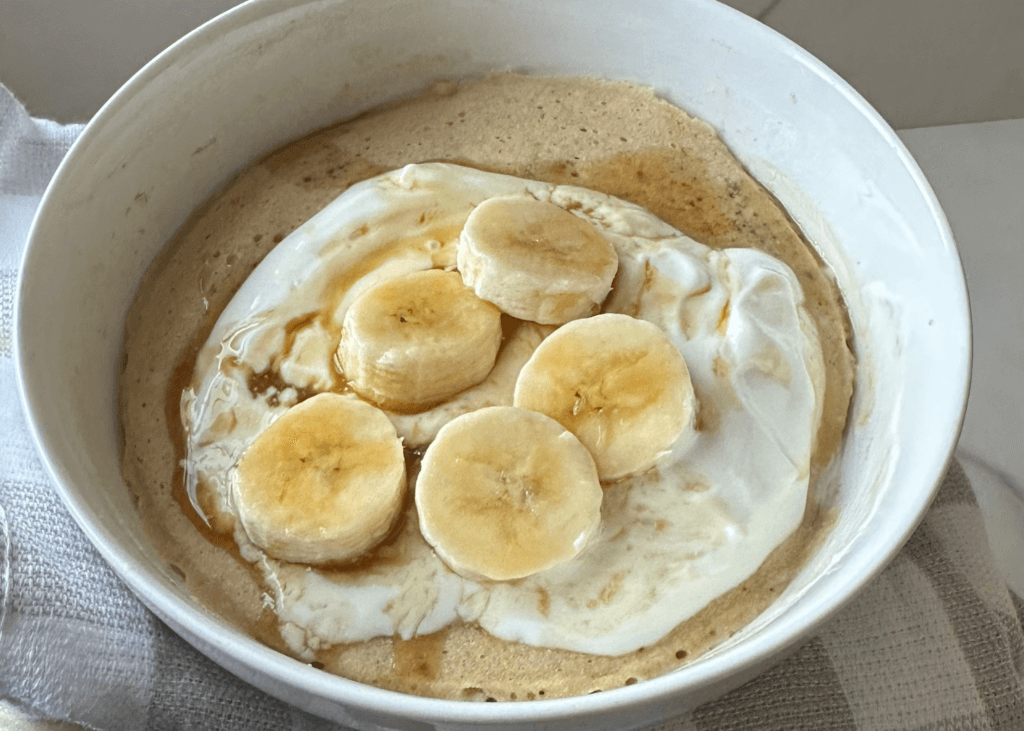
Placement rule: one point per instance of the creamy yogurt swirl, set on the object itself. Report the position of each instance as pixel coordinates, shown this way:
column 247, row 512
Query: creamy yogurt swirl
column 671, row 540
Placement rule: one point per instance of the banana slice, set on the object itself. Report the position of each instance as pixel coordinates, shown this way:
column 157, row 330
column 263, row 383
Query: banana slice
column 323, row 483
column 618, row 384
column 535, row 260
column 504, row 493
column 413, row 341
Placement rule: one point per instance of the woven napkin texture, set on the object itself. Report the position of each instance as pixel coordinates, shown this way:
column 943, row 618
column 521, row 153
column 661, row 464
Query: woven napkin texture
column 934, row 643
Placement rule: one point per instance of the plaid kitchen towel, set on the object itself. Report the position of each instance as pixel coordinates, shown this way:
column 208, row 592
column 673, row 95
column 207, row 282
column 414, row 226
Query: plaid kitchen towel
column 934, row 643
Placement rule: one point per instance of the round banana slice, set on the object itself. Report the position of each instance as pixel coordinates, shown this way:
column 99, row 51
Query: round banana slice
column 504, row 493
column 535, row 260
column 415, row 340
column 617, row 383
column 323, row 483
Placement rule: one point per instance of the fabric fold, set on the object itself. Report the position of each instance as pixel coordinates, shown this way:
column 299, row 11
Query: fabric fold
column 30, row 149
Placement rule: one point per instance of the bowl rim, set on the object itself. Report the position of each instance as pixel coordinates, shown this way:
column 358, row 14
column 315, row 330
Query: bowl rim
column 786, row 634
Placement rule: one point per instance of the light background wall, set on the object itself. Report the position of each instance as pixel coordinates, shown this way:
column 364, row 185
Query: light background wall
column 919, row 62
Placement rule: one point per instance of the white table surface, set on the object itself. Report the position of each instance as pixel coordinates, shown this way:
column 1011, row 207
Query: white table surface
column 977, row 172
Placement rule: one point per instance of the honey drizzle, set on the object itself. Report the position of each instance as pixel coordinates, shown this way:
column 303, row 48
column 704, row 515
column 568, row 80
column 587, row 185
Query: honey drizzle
column 180, row 380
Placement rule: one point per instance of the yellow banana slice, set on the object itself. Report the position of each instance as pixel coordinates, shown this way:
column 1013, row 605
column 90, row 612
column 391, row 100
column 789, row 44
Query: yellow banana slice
column 323, row 483
column 415, row 340
column 618, row 384
column 504, row 493
column 535, row 260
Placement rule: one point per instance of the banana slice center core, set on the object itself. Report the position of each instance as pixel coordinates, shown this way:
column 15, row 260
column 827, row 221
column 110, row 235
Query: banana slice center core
column 400, row 337
column 504, row 493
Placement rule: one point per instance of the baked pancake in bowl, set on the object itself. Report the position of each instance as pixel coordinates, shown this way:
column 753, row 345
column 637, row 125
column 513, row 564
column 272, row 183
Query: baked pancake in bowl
column 697, row 518
column 287, row 68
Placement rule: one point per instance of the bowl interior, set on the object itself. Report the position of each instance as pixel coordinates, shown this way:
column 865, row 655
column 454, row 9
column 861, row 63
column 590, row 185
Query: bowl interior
column 271, row 70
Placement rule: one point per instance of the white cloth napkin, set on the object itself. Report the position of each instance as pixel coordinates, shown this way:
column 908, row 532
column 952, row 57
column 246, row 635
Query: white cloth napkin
column 935, row 643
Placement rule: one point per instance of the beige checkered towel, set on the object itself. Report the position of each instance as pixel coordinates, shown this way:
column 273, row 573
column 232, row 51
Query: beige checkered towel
column 934, row 643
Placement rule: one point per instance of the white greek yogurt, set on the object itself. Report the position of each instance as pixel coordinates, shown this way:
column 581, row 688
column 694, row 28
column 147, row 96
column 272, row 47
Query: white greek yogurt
column 671, row 540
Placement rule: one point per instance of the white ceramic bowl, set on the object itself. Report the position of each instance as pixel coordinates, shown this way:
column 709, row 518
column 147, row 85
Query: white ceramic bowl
column 271, row 70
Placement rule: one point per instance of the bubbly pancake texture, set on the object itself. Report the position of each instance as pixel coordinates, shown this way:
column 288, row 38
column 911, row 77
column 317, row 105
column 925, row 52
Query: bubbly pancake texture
column 634, row 146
